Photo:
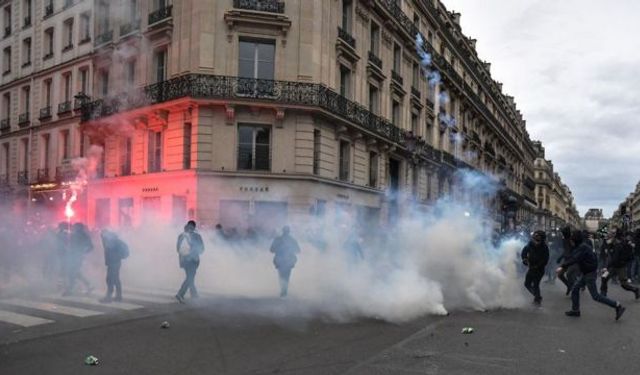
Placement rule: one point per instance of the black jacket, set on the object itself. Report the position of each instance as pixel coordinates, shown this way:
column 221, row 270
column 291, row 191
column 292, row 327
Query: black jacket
column 114, row 251
column 621, row 255
column 584, row 257
column 536, row 257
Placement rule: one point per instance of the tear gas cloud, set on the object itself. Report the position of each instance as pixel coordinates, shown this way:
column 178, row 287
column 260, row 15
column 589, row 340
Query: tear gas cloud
column 429, row 263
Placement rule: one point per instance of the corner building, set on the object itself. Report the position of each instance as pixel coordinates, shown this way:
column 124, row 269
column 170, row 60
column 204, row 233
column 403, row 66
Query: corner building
column 257, row 113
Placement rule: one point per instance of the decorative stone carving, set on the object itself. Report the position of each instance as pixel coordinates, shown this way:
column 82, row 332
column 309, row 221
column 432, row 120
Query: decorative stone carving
column 362, row 14
column 386, row 38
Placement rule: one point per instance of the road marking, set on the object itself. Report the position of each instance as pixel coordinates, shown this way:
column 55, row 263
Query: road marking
column 51, row 307
column 22, row 319
column 153, row 298
column 95, row 302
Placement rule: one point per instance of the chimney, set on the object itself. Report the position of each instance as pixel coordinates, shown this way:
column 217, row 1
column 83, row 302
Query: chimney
column 456, row 17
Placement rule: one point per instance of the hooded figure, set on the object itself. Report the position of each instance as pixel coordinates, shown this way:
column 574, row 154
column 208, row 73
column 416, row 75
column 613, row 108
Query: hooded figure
column 584, row 257
column 79, row 245
column 285, row 249
column 535, row 255
column 189, row 247
column 115, row 250
column 619, row 259
column 570, row 275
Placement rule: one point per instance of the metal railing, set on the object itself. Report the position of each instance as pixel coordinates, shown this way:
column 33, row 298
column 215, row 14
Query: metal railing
column 415, row 92
column 5, row 125
column 344, row 35
column 23, row 119
column 23, row 178
column 45, row 112
column 160, row 14
column 105, row 37
column 43, row 175
column 375, row 60
column 64, row 107
column 397, row 77
column 65, row 174
column 271, row 6
column 202, row 86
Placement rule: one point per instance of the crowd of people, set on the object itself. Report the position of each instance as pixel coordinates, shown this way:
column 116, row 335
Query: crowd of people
column 580, row 259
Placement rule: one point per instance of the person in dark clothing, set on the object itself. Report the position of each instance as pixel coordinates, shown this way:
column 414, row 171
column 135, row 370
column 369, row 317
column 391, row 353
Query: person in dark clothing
column 79, row 245
column 586, row 259
column 570, row 275
column 115, row 250
column 620, row 258
column 535, row 255
column 285, row 249
column 189, row 247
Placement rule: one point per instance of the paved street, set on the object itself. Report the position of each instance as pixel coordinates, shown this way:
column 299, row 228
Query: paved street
column 236, row 336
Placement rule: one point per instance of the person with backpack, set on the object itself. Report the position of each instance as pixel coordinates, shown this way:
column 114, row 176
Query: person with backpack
column 189, row 247
column 535, row 255
column 619, row 259
column 115, row 250
column 586, row 259
column 79, row 245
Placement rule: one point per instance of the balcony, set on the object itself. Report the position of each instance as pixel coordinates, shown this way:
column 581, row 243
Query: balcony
column 270, row 6
column 43, row 175
column 65, row 174
column 129, row 28
column 64, row 107
column 23, row 120
column 346, row 37
column 375, row 60
column 397, row 77
column 45, row 113
column 7, row 31
column 27, row 22
column 247, row 90
column 5, row 125
column 23, row 178
column 104, row 38
column 415, row 92
column 160, row 14
column 48, row 10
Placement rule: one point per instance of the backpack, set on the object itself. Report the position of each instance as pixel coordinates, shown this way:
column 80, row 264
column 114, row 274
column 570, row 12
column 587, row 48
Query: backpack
column 185, row 245
column 123, row 250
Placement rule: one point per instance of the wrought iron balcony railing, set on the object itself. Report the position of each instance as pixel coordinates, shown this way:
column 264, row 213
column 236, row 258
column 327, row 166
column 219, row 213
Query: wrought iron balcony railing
column 5, row 125
column 45, row 113
column 105, row 37
column 64, row 107
column 43, row 175
column 397, row 77
column 130, row 27
column 344, row 35
column 23, row 178
column 160, row 14
column 23, row 119
column 48, row 10
column 202, row 86
column 415, row 92
column 271, row 6
column 375, row 60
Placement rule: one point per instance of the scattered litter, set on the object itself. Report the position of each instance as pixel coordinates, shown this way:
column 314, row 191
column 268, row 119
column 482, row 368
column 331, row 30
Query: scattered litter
column 466, row 343
column 467, row 330
column 165, row 324
column 91, row 361
column 562, row 350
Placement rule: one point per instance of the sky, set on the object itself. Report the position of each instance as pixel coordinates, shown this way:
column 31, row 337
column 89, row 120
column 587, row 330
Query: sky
column 574, row 69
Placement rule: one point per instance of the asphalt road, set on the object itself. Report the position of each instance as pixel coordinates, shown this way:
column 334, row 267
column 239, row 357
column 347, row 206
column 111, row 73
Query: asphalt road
column 281, row 337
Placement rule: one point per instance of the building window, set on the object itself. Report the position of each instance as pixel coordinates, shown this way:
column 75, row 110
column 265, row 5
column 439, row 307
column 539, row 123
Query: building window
column 103, row 212
column 6, row 60
column 68, row 34
column 125, row 212
column 64, row 145
column 5, row 160
column 347, row 6
column 395, row 113
column 66, row 79
column 104, row 82
column 317, row 141
column 374, row 100
column 6, row 104
column 155, row 151
column 373, row 169
column 26, row 100
column 345, row 81
column 48, row 43
column 84, row 80
column 44, row 156
column 429, row 178
column 429, row 135
column 344, row 164
column 397, row 58
column 26, row 52
column 374, row 39
column 160, row 65
column 416, row 76
column 125, row 156
column 27, row 13
column 186, row 154
column 24, row 154
column 47, row 92
column 85, row 27
column 130, row 73
column 414, row 123
column 254, row 147
column 7, row 21
column 103, row 15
